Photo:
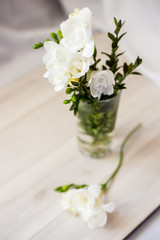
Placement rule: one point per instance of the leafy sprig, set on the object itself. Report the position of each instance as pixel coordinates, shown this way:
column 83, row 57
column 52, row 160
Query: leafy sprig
column 55, row 36
column 96, row 61
column 113, row 59
column 79, row 92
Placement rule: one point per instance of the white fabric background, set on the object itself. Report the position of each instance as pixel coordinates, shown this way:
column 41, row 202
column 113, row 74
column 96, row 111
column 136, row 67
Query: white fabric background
column 143, row 28
column 142, row 25
column 22, row 23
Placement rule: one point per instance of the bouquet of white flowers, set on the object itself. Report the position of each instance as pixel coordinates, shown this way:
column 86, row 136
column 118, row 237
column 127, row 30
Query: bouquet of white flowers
column 71, row 63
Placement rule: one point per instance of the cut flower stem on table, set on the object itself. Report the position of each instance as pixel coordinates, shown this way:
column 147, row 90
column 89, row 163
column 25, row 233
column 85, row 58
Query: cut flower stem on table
column 104, row 186
column 86, row 200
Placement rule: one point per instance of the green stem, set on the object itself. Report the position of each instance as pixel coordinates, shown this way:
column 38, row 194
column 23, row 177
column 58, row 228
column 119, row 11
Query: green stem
column 104, row 186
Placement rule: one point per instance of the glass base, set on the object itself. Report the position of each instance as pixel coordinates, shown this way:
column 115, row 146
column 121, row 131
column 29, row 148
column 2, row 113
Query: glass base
column 94, row 150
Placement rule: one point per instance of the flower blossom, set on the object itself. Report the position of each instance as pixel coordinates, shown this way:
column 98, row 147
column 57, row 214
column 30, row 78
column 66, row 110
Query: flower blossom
column 87, row 203
column 101, row 82
column 77, row 32
column 62, row 64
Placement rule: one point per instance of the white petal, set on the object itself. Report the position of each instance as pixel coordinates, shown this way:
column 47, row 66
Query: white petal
column 58, row 88
column 66, row 203
column 88, row 49
column 77, row 32
column 85, row 15
column 109, row 207
column 95, row 189
column 49, row 45
column 94, row 92
column 110, row 75
column 109, row 90
column 86, row 214
column 46, row 74
column 98, row 219
column 101, row 82
column 75, row 40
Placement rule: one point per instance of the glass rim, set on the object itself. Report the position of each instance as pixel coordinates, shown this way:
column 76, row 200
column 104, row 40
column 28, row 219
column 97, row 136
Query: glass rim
column 109, row 99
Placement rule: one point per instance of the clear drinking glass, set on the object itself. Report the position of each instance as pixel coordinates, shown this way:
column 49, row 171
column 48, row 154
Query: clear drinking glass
column 95, row 126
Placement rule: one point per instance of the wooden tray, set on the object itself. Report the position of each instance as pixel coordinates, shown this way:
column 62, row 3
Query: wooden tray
column 38, row 151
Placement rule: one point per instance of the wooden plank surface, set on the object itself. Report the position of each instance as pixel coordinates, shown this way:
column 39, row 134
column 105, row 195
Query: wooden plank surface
column 38, row 151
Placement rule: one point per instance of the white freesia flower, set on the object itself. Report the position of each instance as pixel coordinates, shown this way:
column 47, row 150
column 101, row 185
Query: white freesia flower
column 62, row 64
column 77, row 32
column 101, row 82
column 87, row 202
column 79, row 65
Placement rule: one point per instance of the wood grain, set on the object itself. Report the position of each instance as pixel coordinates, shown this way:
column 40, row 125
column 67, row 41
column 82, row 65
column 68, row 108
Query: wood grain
column 38, row 151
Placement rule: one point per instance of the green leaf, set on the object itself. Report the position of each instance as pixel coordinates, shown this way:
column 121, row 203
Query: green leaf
column 117, row 30
column 125, row 68
column 47, row 40
column 75, row 111
column 108, row 55
column 95, row 54
column 73, row 106
column 67, row 101
column 119, row 76
column 97, row 61
column 119, row 23
column 137, row 62
column 74, row 98
column 65, row 188
column 130, row 68
column 55, row 37
column 93, row 67
column 118, row 55
column 59, row 33
column 83, row 80
column 38, row 45
column 111, row 36
column 104, row 67
column 136, row 73
column 121, row 86
column 76, row 84
column 116, row 22
column 121, row 36
column 69, row 90
column 117, row 68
